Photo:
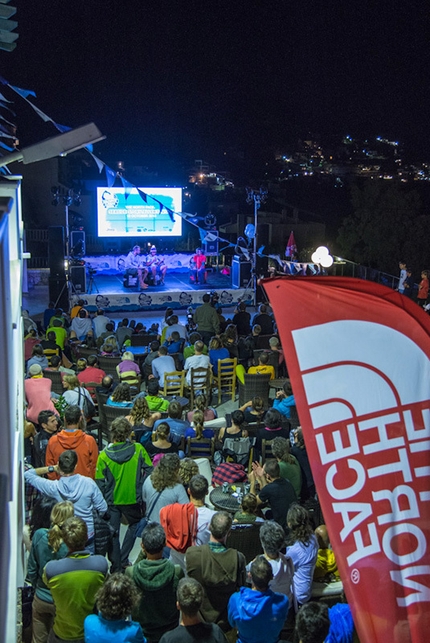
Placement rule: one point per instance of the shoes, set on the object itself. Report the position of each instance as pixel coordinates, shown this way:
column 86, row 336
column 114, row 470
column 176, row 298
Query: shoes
column 144, row 287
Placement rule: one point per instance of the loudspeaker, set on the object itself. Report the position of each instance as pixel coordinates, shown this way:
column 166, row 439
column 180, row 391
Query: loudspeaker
column 240, row 273
column 58, row 292
column 77, row 243
column 211, row 248
column 261, row 266
column 56, row 248
column 78, row 278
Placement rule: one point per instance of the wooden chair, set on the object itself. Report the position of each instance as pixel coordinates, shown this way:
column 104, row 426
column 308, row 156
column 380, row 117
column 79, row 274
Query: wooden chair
column 203, row 448
column 226, row 377
column 56, row 379
column 266, row 451
column 246, row 539
column 201, row 380
column 109, row 364
column 174, row 383
column 254, row 385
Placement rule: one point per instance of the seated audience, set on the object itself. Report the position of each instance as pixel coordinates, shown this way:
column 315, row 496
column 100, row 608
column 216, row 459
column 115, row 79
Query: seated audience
column 142, row 420
column 154, row 400
column 198, row 360
column 161, row 443
column 264, row 320
column 189, row 350
column 187, row 469
column 263, row 368
column 178, row 427
column 229, row 340
column 326, row 566
column 92, row 372
column 37, row 357
column 248, row 510
column 272, row 428
column 74, row 393
column 254, row 410
column 127, row 368
column 175, row 325
column 156, row 579
column 312, row 623
column 217, row 351
column 49, row 344
column 81, row 326
column 275, row 346
column 115, row 602
column 30, row 341
column 192, row 628
column 258, row 612
column 284, row 400
column 56, row 365
column 276, row 492
column 288, row 464
column 200, row 403
column 47, row 544
column 38, row 394
column 303, row 551
column 198, row 431
column 121, row 396
column 235, row 430
column 147, row 364
column 299, row 451
column 162, row 364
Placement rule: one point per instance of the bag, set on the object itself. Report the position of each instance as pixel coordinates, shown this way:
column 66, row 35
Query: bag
column 180, row 524
column 88, row 408
column 237, row 450
column 103, row 534
column 27, row 595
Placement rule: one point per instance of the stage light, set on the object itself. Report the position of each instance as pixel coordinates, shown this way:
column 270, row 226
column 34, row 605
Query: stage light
column 322, row 256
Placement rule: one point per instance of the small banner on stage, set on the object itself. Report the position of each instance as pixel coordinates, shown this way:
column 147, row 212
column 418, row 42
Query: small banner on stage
column 358, row 358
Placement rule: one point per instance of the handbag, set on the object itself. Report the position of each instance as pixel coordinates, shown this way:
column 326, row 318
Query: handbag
column 103, row 534
column 88, row 408
column 144, row 521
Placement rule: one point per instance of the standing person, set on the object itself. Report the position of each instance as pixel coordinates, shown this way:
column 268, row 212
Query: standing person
column 163, row 487
column 115, row 602
column 120, row 473
column 423, row 288
column 258, row 613
column 46, row 545
column 198, row 267
column 72, row 437
column 157, row 579
column 264, row 320
column 402, row 278
column 82, row 491
column 48, row 423
column 74, row 582
column 303, row 551
column 192, row 629
column 155, row 263
column 242, row 320
column 207, row 320
column 133, row 266
column 409, row 284
column 220, row 570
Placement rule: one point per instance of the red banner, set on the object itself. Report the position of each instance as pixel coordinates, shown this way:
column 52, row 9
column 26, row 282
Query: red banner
column 358, row 358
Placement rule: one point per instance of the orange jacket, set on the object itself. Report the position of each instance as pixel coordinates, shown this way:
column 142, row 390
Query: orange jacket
column 84, row 445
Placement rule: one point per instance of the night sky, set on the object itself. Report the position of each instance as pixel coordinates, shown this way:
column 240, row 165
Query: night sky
column 223, row 80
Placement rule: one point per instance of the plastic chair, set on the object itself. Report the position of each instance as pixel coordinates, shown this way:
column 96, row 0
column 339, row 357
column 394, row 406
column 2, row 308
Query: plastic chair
column 254, row 385
column 109, row 364
column 246, row 539
column 56, row 379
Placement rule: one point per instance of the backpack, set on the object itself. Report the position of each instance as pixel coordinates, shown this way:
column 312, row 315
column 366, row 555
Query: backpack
column 88, row 408
column 180, row 524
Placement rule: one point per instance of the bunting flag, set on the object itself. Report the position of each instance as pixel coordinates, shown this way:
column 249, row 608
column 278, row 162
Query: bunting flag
column 358, row 356
column 98, row 162
column 128, row 187
column 25, row 93
column 291, row 248
column 143, row 195
column 110, row 176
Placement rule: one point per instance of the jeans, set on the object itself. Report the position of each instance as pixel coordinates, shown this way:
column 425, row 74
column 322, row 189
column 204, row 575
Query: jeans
column 120, row 553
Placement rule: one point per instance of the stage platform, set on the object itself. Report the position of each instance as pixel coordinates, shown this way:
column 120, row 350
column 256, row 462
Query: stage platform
column 108, row 292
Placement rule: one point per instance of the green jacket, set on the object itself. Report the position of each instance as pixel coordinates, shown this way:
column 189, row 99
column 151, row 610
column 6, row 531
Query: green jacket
column 120, row 472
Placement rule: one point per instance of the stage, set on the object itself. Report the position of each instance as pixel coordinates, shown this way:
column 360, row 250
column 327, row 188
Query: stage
column 108, row 292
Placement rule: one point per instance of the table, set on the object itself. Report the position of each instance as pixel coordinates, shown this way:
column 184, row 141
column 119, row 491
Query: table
column 278, row 383
column 183, row 401
column 225, row 501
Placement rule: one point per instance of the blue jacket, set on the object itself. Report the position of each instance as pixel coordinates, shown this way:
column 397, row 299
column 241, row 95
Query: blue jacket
column 258, row 616
column 284, row 405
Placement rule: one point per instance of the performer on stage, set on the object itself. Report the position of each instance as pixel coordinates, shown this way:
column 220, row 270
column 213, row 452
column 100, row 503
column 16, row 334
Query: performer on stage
column 198, row 267
column 156, row 264
column 133, row 266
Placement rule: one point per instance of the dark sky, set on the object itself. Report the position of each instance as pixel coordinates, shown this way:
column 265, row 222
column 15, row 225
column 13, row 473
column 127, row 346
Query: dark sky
column 173, row 79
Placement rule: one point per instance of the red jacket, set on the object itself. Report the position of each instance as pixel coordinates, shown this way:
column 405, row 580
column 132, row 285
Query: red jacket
column 84, row 445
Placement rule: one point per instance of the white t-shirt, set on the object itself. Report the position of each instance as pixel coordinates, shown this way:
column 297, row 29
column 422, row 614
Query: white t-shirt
column 195, row 361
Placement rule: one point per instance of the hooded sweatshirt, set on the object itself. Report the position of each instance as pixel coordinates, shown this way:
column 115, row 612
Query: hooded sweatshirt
column 82, row 491
column 120, row 472
column 85, row 446
column 258, row 616
column 221, row 571
column 156, row 610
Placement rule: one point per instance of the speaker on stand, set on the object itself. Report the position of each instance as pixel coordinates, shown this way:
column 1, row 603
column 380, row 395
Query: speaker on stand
column 240, row 272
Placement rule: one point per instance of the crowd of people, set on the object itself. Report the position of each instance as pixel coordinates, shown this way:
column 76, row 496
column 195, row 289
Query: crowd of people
column 187, row 583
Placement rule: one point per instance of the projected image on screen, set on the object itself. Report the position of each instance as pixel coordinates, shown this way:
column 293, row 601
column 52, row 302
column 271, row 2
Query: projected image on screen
column 123, row 212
